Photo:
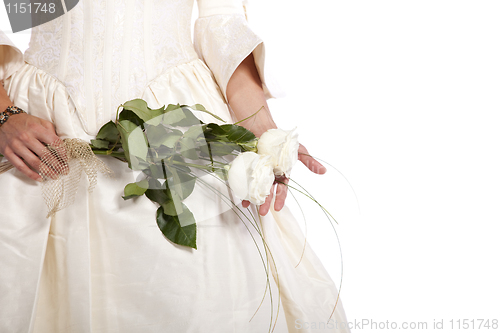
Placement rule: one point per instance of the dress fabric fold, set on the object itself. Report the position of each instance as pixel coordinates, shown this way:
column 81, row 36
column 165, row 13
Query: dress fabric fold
column 102, row 265
column 11, row 58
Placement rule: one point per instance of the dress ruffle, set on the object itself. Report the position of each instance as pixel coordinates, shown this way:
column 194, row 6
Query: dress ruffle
column 223, row 41
column 11, row 58
column 40, row 94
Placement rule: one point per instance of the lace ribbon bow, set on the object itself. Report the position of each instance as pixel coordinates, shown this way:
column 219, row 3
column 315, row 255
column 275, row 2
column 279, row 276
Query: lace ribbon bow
column 62, row 165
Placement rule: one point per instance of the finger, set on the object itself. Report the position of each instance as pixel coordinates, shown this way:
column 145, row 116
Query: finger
column 44, row 132
column 54, row 158
column 30, row 144
column 48, row 125
column 313, row 164
column 245, row 203
column 23, row 152
column 33, row 145
column 32, row 126
column 50, row 139
column 264, row 208
column 49, row 170
column 281, row 192
column 21, row 166
column 25, row 137
column 56, row 151
column 39, row 158
column 310, row 162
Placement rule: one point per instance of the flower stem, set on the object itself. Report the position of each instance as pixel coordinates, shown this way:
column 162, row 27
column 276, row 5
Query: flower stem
column 109, row 153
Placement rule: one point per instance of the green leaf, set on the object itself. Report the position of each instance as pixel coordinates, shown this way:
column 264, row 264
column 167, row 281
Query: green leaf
column 171, row 107
column 187, row 185
column 108, row 132
column 171, row 139
column 214, row 129
column 130, row 116
column 188, row 148
column 229, row 132
column 179, row 182
column 177, row 162
column 200, row 107
column 158, row 196
column 237, row 133
column 133, row 190
column 125, row 127
column 250, row 145
column 157, row 170
column 158, row 193
column 141, row 109
column 155, row 155
column 190, row 119
column 204, row 150
column 173, row 117
column 223, row 148
column 170, row 209
column 137, row 144
column 173, row 207
column 194, row 132
column 180, row 229
column 137, row 163
column 180, row 116
column 156, row 135
column 100, row 144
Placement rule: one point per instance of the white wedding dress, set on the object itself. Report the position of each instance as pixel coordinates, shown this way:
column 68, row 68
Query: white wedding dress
column 102, row 265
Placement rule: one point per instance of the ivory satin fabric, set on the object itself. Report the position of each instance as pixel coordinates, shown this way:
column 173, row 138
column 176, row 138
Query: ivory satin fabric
column 102, row 265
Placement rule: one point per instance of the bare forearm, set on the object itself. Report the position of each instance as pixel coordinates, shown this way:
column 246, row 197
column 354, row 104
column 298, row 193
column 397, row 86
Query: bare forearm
column 246, row 96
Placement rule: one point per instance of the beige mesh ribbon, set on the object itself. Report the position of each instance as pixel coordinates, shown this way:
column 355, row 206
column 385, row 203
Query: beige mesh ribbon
column 63, row 163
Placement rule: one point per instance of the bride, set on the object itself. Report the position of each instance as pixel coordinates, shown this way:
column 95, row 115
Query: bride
column 102, row 265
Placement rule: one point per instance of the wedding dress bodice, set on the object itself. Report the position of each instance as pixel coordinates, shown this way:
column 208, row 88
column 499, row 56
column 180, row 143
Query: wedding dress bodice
column 106, row 51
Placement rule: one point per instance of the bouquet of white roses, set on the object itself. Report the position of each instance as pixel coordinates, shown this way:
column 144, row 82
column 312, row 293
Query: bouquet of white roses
column 166, row 144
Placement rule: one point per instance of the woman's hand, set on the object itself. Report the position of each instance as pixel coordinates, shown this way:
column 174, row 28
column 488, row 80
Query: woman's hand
column 280, row 188
column 245, row 96
column 22, row 141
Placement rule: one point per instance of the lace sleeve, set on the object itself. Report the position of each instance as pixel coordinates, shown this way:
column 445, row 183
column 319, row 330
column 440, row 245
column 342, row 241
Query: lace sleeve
column 11, row 58
column 223, row 39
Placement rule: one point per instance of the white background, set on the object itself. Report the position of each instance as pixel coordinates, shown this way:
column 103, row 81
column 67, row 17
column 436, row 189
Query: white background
column 402, row 97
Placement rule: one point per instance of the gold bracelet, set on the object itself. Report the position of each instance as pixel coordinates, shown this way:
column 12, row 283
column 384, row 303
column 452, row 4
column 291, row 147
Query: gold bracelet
column 11, row 110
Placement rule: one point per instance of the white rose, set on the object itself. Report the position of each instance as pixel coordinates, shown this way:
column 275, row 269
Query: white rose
column 283, row 147
column 251, row 177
